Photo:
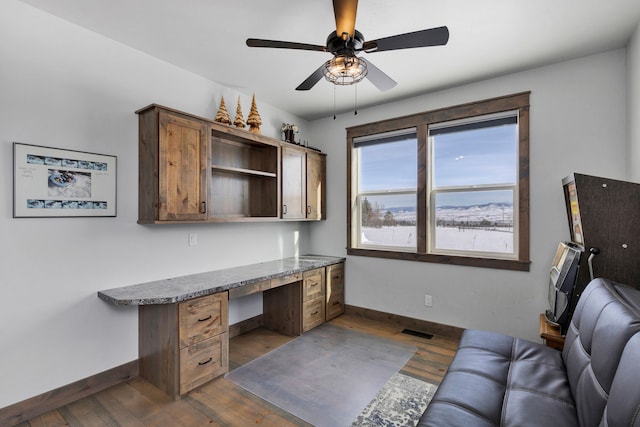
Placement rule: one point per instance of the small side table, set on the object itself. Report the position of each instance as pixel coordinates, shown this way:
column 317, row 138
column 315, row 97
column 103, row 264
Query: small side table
column 550, row 334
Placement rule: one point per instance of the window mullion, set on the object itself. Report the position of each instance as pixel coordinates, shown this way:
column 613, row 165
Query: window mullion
column 422, row 193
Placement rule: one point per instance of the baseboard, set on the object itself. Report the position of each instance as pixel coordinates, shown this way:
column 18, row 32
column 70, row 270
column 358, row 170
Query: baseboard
column 406, row 322
column 45, row 402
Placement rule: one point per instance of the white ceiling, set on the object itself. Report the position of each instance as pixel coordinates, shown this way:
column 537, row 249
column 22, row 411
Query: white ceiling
column 487, row 38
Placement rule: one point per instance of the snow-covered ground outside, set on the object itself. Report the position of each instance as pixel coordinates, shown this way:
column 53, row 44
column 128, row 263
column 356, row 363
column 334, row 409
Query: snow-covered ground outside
column 487, row 239
column 468, row 239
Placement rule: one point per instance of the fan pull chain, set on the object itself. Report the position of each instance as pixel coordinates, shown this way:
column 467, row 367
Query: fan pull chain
column 355, row 108
column 334, row 102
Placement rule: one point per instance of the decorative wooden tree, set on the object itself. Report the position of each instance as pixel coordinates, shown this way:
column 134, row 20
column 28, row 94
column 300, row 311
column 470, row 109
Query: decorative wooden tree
column 239, row 120
column 254, row 119
column 222, row 116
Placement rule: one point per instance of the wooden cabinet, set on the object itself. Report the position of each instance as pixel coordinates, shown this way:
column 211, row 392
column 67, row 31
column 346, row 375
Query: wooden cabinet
column 297, row 306
column 184, row 345
column 303, row 184
column 335, row 291
column 173, row 159
column 551, row 334
column 193, row 169
column 313, row 295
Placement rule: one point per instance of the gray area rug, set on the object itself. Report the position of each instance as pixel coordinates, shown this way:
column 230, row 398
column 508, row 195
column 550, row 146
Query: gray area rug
column 400, row 403
column 326, row 376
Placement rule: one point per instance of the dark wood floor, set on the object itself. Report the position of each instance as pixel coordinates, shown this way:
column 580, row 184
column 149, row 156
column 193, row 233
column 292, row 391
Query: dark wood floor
column 222, row 403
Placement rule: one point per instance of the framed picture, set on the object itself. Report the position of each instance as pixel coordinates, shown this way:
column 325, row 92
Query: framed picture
column 52, row 182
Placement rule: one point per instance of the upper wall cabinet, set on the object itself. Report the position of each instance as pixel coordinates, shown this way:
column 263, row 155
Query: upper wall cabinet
column 192, row 169
column 303, row 182
column 173, row 159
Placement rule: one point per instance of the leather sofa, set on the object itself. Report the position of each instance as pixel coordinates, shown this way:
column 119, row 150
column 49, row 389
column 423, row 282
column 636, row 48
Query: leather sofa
column 498, row 380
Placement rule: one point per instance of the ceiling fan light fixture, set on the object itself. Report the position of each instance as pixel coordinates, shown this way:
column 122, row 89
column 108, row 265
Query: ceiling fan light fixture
column 345, row 70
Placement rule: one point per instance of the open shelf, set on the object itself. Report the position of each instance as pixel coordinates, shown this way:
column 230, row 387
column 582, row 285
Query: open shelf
column 244, row 177
column 243, row 171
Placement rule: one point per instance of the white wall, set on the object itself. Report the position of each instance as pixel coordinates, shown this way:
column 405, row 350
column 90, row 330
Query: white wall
column 577, row 125
column 63, row 86
column 633, row 105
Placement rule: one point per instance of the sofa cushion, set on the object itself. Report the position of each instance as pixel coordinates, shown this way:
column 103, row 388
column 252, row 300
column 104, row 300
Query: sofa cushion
column 604, row 320
column 495, row 379
column 623, row 407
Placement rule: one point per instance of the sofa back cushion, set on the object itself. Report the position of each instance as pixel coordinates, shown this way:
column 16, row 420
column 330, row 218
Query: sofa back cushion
column 623, row 408
column 606, row 317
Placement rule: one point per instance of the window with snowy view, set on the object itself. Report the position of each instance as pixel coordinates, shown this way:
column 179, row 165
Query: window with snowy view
column 447, row 186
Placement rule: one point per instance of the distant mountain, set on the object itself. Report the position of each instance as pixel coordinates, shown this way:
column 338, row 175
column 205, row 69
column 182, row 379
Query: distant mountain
column 495, row 213
column 492, row 205
column 482, row 206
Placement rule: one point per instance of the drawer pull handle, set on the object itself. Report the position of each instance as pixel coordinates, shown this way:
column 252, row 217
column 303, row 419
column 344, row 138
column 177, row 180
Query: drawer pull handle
column 315, row 312
column 206, row 361
column 336, row 303
column 315, row 284
column 205, row 319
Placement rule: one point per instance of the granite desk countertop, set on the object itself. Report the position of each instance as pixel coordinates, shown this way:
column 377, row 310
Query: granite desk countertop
column 182, row 288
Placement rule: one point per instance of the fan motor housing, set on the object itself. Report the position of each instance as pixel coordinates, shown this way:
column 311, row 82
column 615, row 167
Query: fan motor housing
column 337, row 46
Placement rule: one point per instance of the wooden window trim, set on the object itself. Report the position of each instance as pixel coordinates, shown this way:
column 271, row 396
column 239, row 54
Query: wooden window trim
column 421, row 122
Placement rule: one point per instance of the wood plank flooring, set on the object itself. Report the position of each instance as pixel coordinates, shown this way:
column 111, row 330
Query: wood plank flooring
column 222, row 403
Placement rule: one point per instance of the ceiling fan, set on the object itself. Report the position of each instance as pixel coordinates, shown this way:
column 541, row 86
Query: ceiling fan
column 346, row 42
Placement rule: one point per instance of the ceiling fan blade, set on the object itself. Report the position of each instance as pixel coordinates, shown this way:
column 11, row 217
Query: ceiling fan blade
column 431, row 37
column 379, row 79
column 345, row 13
column 284, row 45
column 312, row 79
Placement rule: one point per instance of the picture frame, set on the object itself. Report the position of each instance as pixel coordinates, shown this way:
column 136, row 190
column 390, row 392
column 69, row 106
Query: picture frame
column 54, row 182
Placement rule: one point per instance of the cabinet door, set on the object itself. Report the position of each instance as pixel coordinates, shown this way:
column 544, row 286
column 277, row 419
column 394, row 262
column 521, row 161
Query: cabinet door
column 316, row 178
column 182, row 177
column 294, row 175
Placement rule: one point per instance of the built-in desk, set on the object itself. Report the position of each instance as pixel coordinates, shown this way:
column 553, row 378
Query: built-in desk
column 184, row 322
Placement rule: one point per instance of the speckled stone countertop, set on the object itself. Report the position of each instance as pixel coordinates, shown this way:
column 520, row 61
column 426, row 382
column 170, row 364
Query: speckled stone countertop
column 177, row 289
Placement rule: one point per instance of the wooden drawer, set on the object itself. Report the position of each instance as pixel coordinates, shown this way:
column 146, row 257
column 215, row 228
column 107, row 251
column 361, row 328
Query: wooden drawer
column 335, row 291
column 335, row 276
column 284, row 280
column 202, row 318
column 312, row 313
column 204, row 361
column 313, row 284
column 249, row 289
column 335, row 305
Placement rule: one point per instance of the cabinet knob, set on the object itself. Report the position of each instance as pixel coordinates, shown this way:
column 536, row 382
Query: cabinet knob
column 308, row 209
column 284, row 209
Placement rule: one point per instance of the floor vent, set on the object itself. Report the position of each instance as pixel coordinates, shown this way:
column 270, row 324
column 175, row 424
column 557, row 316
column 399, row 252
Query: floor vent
column 417, row 334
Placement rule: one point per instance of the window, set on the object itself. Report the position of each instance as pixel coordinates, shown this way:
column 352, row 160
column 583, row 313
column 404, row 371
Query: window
column 447, row 186
column 387, row 188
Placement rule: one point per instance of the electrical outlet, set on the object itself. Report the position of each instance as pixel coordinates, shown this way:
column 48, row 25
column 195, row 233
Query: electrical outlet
column 428, row 300
column 193, row 239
